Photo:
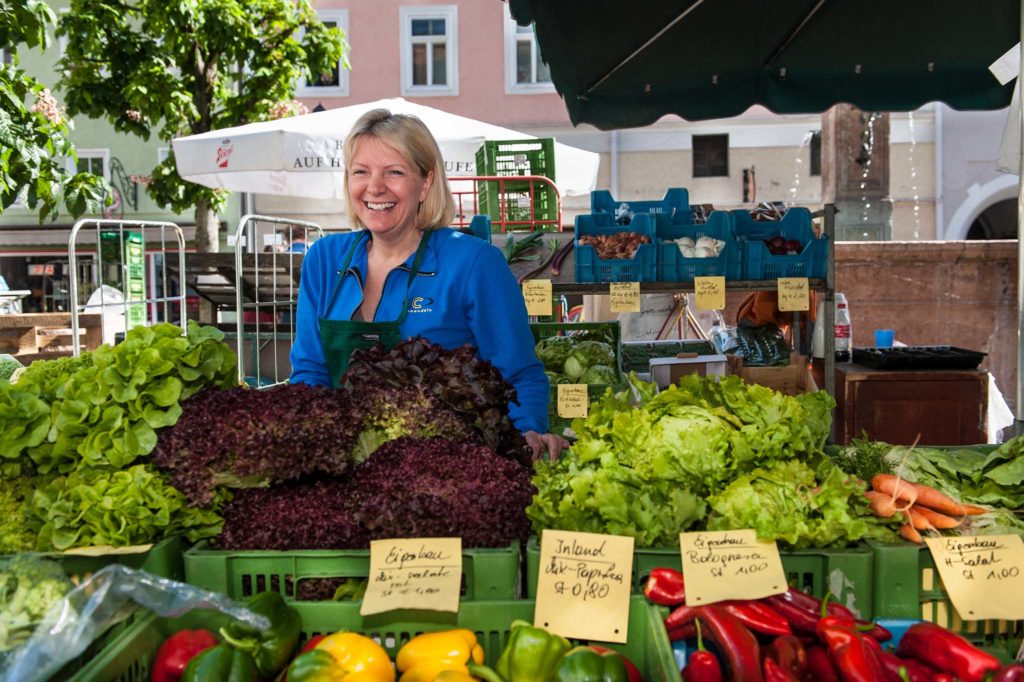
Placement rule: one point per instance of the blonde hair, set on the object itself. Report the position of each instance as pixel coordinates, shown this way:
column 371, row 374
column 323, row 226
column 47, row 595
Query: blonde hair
column 409, row 137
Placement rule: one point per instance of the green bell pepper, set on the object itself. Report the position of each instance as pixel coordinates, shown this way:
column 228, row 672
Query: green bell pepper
column 531, row 655
column 583, row 664
column 220, row 664
column 271, row 648
column 315, row 665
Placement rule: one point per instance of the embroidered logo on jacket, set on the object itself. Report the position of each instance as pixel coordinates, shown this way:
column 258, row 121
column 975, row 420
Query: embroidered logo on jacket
column 421, row 305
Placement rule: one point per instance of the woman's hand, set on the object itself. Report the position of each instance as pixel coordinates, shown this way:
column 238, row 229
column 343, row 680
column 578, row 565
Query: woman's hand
column 550, row 442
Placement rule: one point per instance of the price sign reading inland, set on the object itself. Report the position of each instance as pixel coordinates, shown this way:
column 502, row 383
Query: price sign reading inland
column 537, row 294
column 414, row 573
column 584, row 584
column 624, row 297
column 983, row 574
column 709, row 292
column 730, row 564
column 794, row 294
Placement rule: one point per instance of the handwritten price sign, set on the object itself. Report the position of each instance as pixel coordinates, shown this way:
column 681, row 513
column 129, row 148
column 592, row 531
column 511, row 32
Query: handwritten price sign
column 416, row 573
column 794, row 294
column 984, row 574
column 537, row 294
column 584, row 584
column 709, row 292
column 730, row 564
column 573, row 401
column 624, row 297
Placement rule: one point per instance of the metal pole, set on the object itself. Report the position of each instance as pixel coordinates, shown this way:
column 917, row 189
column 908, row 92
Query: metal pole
column 1019, row 406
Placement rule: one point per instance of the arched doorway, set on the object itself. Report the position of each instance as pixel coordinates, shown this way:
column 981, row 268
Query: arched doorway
column 998, row 221
column 979, row 199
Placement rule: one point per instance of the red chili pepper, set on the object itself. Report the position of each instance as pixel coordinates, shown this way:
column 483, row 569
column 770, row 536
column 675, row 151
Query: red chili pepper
column 852, row 656
column 814, row 605
column 914, row 671
column 947, row 651
column 177, row 650
column 680, row 616
column 758, row 617
column 789, row 653
column 799, row 619
column 702, row 665
column 773, row 672
column 665, row 587
column 819, row 666
column 687, row 631
column 737, row 644
column 1011, row 673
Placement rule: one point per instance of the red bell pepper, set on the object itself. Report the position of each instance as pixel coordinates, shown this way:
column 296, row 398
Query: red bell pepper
column 758, row 616
column 1011, row 673
column 702, row 665
column 854, row 659
column 819, row 666
column 813, row 606
column 947, row 651
column 687, row 631
column 912, row 670
column 177, row 650
column 799, row 619
column 789, row 653
column 680, row 616
column 665, row 587
column 773, row 672
column 739, row 648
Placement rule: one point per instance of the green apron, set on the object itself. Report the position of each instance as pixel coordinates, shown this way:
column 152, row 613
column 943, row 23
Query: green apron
column 340, row 337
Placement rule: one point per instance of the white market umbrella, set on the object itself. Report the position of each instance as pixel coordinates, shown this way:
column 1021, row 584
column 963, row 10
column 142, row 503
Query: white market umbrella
column 302, row 155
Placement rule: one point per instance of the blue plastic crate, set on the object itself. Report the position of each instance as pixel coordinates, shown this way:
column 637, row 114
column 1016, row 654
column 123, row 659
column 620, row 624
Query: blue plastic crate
column 642, row 267
column 760, row 264
column 676, row 204
column 480, row 226
column 673, row 267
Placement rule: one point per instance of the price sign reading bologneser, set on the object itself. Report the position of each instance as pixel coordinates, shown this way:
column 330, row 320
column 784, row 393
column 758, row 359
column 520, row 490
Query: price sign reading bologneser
column 709, row 292
column 414, row 573
column 583, row 585
column 537, row 294
column 983, row 574
column 573, row 401
column 730, row 564
column 794, row 294
column 624, row 297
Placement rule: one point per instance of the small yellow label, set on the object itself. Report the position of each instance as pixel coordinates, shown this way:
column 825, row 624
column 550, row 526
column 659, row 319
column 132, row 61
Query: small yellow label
column 983, row 574
column 709, row 292
column 573, row 401
column 730, row 564
column 104, row 550
column 414, row 573
column 624, row 297
column 794, row 294
column 537, row 294
column 584, row 584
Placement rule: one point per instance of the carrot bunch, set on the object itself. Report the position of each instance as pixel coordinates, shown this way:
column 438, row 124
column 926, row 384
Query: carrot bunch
column 920, row 506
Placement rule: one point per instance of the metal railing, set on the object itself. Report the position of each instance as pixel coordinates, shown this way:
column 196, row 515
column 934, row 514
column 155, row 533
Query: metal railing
column 513, row 202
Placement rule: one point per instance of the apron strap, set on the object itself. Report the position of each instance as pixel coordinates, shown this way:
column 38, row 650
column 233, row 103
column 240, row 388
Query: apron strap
column 343, row 270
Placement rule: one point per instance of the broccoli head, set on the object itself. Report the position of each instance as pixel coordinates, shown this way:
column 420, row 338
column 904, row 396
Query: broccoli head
column 29, row 586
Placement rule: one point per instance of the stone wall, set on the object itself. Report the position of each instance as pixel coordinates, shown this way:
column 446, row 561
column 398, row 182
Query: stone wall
column 957, row 293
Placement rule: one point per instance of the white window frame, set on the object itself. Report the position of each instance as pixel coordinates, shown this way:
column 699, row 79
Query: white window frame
column 304, row 89
column 92, row 154
column 450, row 13
column 511, row 43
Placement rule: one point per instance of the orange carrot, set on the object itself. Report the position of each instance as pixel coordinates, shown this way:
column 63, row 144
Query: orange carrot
column 895, row 487
column 933, row 499
column 881, row 504
column 974, row 510
column 917, row 520
column 933, row 518
column 908, row 532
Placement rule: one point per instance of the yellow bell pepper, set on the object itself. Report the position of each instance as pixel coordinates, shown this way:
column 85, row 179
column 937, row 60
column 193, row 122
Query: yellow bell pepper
column 425, row 657
column 361, row 658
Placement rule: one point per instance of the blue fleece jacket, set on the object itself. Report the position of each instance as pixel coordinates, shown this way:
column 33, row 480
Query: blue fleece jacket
column 464, row 293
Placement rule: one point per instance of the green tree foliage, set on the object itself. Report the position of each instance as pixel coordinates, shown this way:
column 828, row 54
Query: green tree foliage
column 189, row 66
column 34, row 142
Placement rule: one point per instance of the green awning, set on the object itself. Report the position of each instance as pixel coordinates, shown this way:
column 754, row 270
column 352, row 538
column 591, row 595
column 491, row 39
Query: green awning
column 624, row 64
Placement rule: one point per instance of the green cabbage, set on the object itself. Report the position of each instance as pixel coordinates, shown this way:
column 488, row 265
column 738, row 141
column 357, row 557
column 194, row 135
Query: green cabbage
column 599, row 374
column 573, row 367
column 594, row 353
column 553, row 351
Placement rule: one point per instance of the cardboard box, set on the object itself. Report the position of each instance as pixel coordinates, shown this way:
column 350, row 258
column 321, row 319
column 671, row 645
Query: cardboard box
column 667, row 371
column 793, row 379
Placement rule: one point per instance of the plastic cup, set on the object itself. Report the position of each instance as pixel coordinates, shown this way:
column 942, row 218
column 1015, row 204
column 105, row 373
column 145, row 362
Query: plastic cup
column 884, row 338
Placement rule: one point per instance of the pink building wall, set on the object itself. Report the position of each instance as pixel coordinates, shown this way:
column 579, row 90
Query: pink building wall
column 374, row 34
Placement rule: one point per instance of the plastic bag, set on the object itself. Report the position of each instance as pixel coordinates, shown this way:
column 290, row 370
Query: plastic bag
column 29, row 585
column 100, row 601
column 623, row 214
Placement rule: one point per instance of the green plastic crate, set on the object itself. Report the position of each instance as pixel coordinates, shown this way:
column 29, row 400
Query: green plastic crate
column 908, row 586
column 486, row 573
column 534, row 156
column 515, row 202
column 163, row 559
column 129, row 658
column 846, row 573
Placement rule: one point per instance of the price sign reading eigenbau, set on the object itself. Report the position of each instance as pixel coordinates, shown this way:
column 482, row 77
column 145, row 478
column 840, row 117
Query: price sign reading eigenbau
column 730, row 564
column 537, row 294
column 573, row 401
column 414, row 573
column 624, row 297
column 983, row 574
column 584, row 584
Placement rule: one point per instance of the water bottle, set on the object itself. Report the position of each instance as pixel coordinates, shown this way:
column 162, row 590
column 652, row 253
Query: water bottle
column 844, row 336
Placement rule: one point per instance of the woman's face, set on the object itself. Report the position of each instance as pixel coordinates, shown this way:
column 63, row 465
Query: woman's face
column 385, row 189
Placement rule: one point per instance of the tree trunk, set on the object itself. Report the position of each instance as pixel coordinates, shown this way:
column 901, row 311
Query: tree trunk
column 207, row 228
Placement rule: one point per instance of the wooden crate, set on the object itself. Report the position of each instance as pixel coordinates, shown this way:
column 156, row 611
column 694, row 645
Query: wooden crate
column 37, row 336
column 793, row 379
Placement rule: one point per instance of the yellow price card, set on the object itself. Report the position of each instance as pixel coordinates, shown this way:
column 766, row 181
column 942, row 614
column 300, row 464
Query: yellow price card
column 414, row 573
column 983, row 574
column 584, row 584
column 573, row 401
column 730, row 564
column 537, row 294
column 709, row 292
column 794, row 294
column 624, row 297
